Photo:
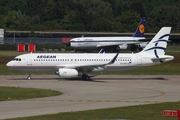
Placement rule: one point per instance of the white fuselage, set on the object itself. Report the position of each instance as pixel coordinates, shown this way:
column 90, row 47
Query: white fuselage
column 55, row 61
column 94, row 42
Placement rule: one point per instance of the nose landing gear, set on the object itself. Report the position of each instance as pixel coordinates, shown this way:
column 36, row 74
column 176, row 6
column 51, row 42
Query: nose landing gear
column 29, row 76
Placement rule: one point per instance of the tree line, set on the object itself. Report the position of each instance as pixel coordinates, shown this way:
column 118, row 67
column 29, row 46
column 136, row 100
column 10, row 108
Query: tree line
column 88, row 15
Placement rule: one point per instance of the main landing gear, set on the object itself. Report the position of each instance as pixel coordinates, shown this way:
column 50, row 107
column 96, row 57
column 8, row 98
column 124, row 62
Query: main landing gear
column 86, row 77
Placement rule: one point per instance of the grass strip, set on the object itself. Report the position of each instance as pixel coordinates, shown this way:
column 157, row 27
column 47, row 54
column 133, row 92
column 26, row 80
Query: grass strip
column 18, row 93
column 139, row 112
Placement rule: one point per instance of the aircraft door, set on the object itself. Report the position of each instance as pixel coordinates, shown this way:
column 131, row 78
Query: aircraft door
column 139, row 60
column 29, row 60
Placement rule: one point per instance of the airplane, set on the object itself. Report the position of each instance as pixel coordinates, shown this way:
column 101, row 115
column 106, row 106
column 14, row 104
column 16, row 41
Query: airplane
column 70, row 65
column 137, row 40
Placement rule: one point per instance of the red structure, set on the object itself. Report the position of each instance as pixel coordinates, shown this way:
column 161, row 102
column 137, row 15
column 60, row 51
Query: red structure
column 65, row 40
column 178, row 114
column 172, row 113
column 31, row 47
column 20, row 47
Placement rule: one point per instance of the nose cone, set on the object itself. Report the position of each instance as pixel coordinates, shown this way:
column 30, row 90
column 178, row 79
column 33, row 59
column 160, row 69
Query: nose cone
column 9, row 64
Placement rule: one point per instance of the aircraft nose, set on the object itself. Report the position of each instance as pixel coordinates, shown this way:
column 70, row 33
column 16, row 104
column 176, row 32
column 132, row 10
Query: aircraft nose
column 9, row 64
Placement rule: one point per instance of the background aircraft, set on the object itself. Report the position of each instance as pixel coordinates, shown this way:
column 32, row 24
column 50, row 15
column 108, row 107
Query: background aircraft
column 68, row 65
column 112, row 43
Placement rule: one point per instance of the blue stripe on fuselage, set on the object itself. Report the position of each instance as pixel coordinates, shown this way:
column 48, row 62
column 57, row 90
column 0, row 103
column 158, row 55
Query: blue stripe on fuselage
column 107, row 41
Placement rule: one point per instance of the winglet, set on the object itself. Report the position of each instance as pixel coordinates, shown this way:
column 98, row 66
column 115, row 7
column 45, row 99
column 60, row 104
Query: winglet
column 114, row 59
column 102, row 50
column 141, row 28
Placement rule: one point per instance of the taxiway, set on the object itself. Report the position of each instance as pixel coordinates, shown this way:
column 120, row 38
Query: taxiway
column 104, row 91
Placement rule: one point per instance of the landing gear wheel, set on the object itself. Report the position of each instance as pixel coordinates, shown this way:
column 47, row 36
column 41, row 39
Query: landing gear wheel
column 85, row 77
column 29, row 77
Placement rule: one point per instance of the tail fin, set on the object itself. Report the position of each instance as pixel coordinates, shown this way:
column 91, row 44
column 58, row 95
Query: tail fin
column 141, row 28
column 158, row 44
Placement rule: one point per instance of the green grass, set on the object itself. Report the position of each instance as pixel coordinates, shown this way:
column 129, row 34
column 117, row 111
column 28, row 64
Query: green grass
column 17, row 93
column 139, row 112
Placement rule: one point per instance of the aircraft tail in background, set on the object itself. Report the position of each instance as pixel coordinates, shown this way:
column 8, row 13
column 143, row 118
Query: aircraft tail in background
column 141, row 28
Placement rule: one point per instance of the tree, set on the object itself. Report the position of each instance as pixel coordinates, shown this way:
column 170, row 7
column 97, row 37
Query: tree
column 48, row 11
column 67, row 21
column 12, row 20
column 162, row 16
column 128, row 20
column 34, row 7
column 97, row 8
column 101, row 25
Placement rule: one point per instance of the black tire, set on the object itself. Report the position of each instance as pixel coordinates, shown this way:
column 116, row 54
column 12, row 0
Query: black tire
column 87, row 77
column 84, row 76
column 28, row 78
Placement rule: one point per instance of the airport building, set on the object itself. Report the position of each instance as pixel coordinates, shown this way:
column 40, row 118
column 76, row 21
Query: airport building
column 1, row 36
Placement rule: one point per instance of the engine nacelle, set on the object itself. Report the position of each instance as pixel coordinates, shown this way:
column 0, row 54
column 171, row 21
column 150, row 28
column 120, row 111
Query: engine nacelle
column 143, row 44
column 123, row 46
column 67, row 73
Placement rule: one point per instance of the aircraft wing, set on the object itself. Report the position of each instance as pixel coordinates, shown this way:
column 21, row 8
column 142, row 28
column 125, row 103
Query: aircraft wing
column 88, row 66
column 145, row 39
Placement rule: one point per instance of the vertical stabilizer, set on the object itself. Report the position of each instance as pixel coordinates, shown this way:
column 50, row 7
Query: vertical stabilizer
column 158, row 44
column 141, row 28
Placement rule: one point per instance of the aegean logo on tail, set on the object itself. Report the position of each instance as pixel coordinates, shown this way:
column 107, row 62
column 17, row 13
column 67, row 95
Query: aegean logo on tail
column 156, row 43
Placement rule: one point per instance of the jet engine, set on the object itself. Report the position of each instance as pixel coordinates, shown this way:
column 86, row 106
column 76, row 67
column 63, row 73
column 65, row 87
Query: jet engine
column 143, row 44
column 123, row 46
column 67, row 73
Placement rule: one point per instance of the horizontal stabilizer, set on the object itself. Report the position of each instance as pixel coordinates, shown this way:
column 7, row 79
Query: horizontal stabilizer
column 163, row 59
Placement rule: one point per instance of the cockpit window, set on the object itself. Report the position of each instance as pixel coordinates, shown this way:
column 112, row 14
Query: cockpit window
column 17, row 59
